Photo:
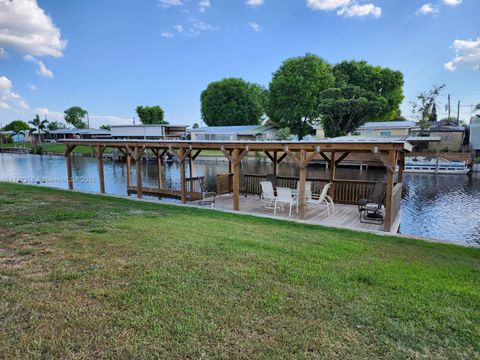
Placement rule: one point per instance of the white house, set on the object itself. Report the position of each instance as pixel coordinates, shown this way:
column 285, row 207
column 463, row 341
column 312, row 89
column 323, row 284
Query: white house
column 235, row 133
column 156, row 131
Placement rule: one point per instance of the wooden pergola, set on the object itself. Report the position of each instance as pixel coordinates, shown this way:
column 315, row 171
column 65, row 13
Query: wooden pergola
column 391, row 152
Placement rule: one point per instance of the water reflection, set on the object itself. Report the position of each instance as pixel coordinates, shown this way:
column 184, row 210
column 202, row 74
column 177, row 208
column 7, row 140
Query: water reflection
column 442, row 206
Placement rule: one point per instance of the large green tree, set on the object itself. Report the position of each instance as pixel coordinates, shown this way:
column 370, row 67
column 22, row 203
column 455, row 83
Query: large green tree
column 425, row 104
column 232, row 101
column 345, row 109
column 295, row 92
column 149, row 115
column 386, row 84
column 16, row 125
column 75, row 116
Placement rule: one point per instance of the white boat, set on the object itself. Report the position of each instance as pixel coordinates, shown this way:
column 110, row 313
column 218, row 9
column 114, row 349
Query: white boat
column 430, row 165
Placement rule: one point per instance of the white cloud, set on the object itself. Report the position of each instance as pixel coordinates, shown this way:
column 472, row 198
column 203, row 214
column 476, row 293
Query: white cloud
column 255, row 26
column 51, row 115
column 427, row 9
column 326, row 5
column 32, row 87
column 168, row 3
column 3, row 53
column 355, row 10
column 9, row 99
column 452, row 2
column 203, row 5
column 467, row 54
column 25, row 27
column 254, row 3
column 42, row 69
column 346, row 8
column 179, row 28
column 167, row 34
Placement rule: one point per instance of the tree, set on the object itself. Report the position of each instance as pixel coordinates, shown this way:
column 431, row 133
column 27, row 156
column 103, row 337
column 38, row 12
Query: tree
column 55, row 125
column 232, row 101
column 105, row 127
column 195, row 126
column 295, row 92
column 39, row 126
column 284, row 134
column 16, row 125
column 424, row 104
column 345, row 109
column 433, row 114
column 385, row 83
column 75, row 115
column 150, row 115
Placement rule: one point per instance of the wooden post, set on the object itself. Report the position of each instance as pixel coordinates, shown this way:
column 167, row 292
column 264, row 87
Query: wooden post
column 236, row 180
column 389, row 192
column 69, row 171
column 301, row 185
column 275, row 163
column 100, row 169
column 190, row 170
column 333, row 170
column 159, row 169
column 138, row 164
column 182, row 176
column 129, row 169
column 401, row 168
column 230, row 164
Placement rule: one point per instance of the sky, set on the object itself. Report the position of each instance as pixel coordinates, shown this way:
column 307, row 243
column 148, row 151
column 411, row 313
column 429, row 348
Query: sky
column 108, row 56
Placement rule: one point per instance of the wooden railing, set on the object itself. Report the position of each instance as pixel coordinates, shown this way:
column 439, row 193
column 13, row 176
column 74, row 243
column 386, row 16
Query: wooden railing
column 346, row 191
column 396, row 202
column 195, row 185
column 224, row 184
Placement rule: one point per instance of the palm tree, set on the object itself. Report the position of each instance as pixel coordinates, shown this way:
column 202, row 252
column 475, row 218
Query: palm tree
column 40, row 126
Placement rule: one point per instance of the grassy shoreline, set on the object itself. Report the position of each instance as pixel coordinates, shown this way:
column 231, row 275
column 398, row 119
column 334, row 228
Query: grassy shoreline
column 90, row 276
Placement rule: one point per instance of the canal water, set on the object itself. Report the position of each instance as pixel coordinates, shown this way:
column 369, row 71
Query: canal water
column 439, row 206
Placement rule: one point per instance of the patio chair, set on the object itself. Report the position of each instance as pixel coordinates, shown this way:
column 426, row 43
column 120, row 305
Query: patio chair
column 323, row 200
column 371, row 209
column 308, row 190
column 267, row 195
column 208, row 198
column 285, row 196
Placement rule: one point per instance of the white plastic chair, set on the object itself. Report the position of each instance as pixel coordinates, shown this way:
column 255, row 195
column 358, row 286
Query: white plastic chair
column 323, row 200
column 285, row 197
column 268, row 195
column 308, row 190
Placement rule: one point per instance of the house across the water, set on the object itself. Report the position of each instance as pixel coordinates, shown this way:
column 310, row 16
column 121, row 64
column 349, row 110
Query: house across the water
column 149, row 132
column 235, row 133
column 74, row 133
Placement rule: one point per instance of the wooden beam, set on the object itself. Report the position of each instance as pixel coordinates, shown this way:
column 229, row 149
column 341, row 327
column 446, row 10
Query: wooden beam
column 401, row 168
column 275, row 163
column 389, row 193
column 101, row 175
column 129, row 168
column 270, row 157
column 294, row 157
column 68, row 157
column 159, row 169
column 236, row 179
column 183, row 177
column 387, row 161
column 138, row 164
column 333, row 170
column 325, row 157
column 69, row 149
column 301, row 183
column 281, row 158
column 196, row 154
column 341, row 158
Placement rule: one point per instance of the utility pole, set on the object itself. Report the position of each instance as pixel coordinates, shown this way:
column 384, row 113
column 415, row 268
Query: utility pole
column 449, row 107
column 88, row 121
column 458, row 113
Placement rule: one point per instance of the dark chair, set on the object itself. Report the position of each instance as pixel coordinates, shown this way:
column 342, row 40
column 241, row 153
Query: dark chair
column 370, row 209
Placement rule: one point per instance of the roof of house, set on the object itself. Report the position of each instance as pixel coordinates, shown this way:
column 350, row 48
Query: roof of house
column 387, row 125
column 448, row 128
column 240, row 130
column 81, row 131
column 148, row 125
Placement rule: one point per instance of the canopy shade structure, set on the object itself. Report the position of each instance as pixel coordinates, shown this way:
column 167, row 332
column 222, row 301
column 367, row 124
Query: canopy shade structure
column 390, row 151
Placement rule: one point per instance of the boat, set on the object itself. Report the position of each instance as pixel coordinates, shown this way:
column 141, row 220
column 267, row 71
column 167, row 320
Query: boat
column 432, row 165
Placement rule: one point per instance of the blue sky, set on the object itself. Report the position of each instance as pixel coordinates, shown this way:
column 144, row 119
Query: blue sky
column 110, row 56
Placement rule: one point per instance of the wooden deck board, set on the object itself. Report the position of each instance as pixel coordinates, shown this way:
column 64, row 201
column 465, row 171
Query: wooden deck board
column 345, row 216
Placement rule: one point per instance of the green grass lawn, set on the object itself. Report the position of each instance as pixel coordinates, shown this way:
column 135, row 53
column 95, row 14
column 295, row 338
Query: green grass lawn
column 56, row 148
column 85, row 276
